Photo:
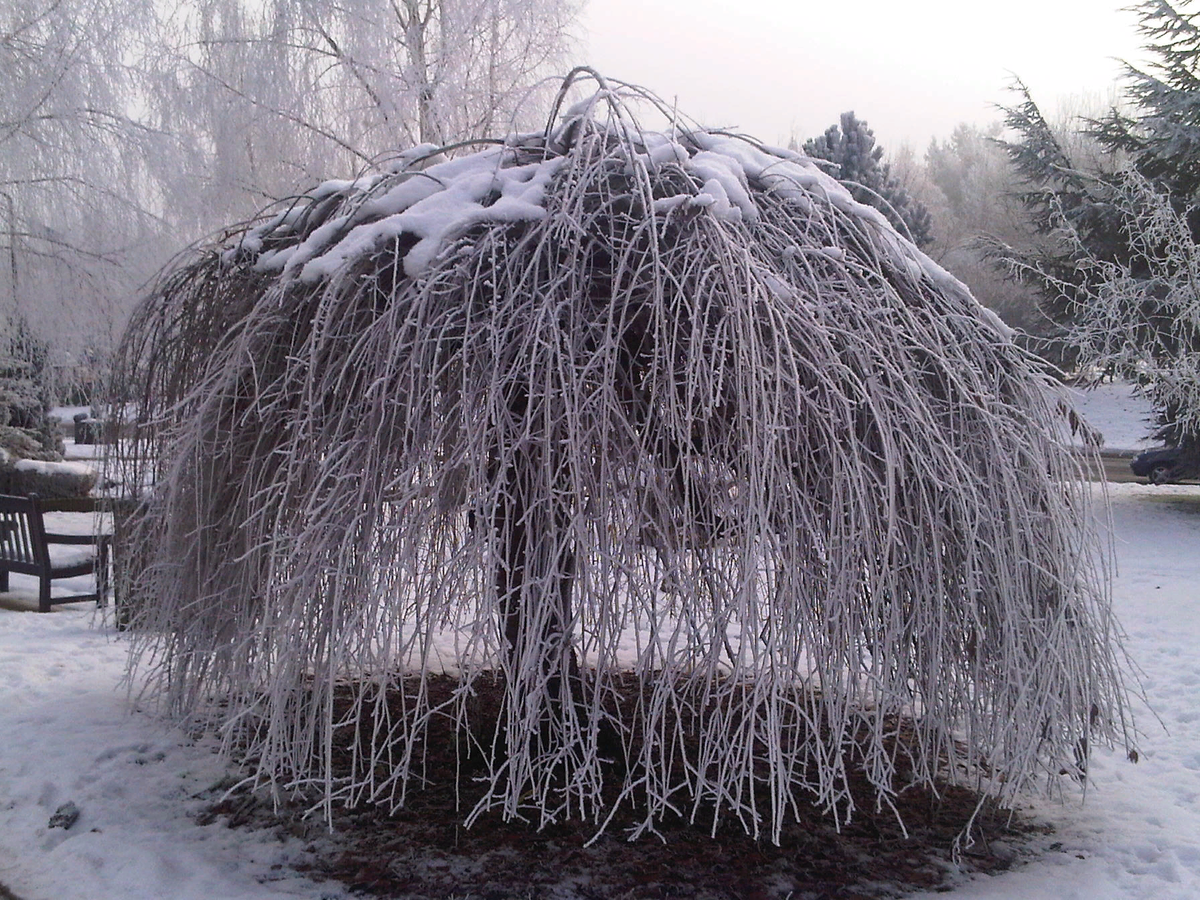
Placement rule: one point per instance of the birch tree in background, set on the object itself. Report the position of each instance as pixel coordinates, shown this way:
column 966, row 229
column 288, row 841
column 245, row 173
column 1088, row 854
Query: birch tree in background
column 263, row 97
column 71, row 206
column 128, row 130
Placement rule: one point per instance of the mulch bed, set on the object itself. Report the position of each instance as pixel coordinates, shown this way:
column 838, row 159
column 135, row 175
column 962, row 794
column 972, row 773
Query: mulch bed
column 423, row 851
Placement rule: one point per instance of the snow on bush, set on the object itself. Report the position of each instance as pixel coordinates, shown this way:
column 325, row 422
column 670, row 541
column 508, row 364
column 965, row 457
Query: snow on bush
column 601, row 404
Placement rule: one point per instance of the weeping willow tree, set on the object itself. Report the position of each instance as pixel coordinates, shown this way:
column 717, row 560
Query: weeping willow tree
column 726, row 484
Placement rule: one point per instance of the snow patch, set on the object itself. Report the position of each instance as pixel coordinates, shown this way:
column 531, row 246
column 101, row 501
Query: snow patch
column 70, row 736
column 431, row 201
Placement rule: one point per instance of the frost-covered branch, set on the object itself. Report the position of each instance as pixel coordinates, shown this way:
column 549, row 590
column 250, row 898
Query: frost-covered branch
column 1140, row 315
column 727, row 485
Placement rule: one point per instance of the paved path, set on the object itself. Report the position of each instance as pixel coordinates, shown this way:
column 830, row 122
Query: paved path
column 1116, row 470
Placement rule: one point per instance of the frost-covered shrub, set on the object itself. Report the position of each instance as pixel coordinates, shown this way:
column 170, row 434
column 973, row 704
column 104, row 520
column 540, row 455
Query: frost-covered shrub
column 48, row 479
column 473, row 412
column 25, row 428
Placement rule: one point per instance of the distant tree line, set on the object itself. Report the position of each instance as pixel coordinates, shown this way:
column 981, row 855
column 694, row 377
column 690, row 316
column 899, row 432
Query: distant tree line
column 128, row 131
column 1080, row 232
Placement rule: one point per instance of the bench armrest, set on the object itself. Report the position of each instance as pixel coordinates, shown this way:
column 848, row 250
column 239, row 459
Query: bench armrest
column 54, row 538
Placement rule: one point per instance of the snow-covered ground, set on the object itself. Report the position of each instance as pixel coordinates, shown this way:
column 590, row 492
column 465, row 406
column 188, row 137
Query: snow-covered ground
column 1123, row 416
column 67, row 733
column 1137, row 835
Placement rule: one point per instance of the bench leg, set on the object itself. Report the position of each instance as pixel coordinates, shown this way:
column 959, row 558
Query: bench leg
column 102, row 575
column 44, row 594
column 3, row 580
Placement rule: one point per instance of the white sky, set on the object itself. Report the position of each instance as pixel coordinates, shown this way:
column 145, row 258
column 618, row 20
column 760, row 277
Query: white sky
column 912, row 68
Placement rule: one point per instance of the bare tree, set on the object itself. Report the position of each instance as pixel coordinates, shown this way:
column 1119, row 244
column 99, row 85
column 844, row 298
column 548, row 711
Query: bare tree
column 462, row 66
column 71, row 180
column 466, row 416
column 129, row 128
column 263, row 96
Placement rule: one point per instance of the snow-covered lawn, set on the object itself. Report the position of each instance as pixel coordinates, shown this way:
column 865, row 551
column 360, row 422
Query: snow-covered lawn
column 66, row 734
column 1137, row 835
column 1115, row 409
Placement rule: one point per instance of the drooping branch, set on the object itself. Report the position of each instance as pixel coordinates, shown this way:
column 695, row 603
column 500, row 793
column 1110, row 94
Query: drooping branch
column 602, row 404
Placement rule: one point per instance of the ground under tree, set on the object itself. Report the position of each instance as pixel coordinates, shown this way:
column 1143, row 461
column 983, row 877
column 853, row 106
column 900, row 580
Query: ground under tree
column 723, row 482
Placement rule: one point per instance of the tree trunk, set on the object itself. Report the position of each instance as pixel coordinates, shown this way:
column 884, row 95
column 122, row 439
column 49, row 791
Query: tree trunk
column 535, row 571
column 529, row 573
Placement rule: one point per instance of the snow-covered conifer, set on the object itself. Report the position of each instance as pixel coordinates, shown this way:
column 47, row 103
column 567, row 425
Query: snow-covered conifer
column 1088, row 218
column 860, row 166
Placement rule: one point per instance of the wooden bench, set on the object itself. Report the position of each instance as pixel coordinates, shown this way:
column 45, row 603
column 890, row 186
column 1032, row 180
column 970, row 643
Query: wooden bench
column 25, row 547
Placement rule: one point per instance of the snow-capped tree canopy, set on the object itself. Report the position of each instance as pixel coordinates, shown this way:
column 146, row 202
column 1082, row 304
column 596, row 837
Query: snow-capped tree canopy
column 719, row 476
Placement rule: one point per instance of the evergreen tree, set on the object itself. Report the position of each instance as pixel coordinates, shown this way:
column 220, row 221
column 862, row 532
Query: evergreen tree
column 1159, row 139
column 851, row 145
column 25, row 427
column 1162, row 136
column 1056, row 192
column 1087, row 215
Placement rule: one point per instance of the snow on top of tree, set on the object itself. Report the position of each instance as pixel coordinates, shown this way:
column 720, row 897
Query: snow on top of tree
column 424, row 201
column 529, row 389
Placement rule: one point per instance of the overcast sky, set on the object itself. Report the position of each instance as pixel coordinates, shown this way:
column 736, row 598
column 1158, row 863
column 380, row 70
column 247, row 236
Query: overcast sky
column 912, row 68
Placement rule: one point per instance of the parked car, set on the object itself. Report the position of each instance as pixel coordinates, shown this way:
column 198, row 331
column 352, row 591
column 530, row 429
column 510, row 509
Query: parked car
column 1165, row 465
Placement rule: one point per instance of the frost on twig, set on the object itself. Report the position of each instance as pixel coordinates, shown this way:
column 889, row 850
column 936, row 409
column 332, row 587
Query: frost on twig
column 1138, row 315
column 594, row 405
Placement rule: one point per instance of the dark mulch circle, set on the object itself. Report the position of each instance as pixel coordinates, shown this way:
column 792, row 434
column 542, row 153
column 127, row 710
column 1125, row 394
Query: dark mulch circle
column 423, row 850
